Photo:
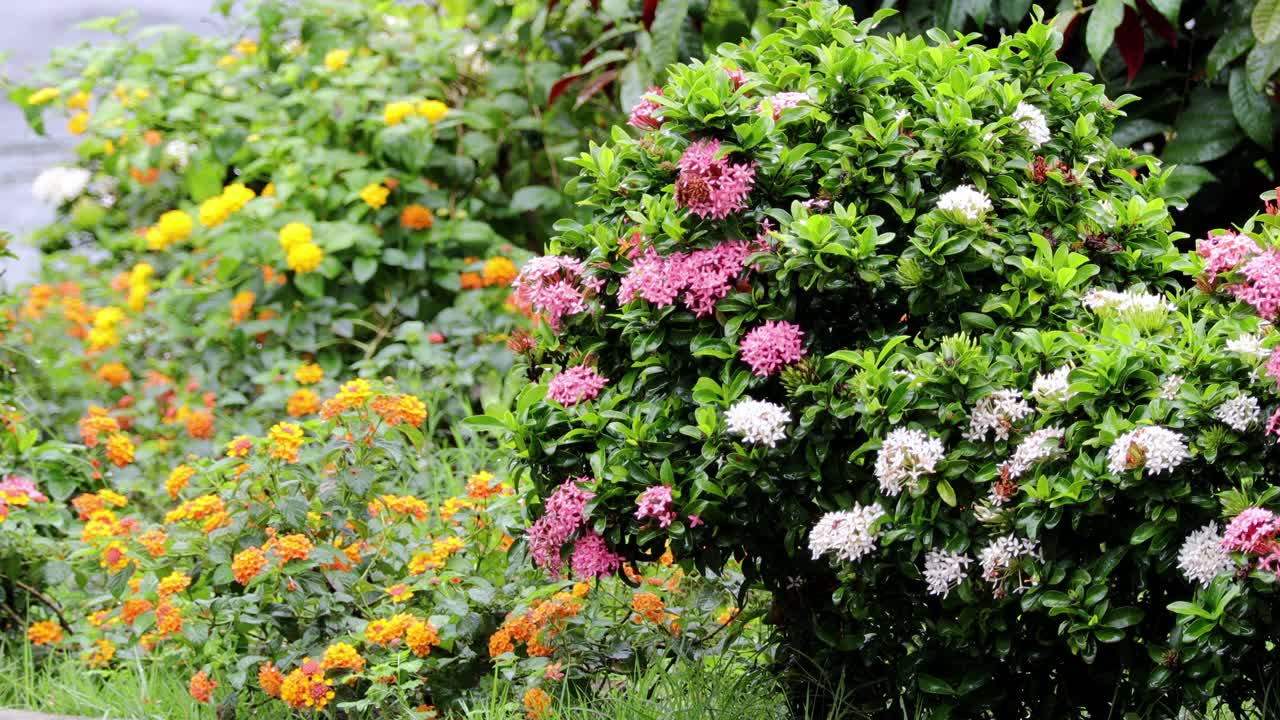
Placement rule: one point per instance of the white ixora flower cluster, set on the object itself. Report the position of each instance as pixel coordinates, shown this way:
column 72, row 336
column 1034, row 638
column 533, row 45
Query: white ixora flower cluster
column 1151, row 447
column 1171, row 386
column 847, row 534
column 943, row 570
column 60, row 184
column 758, row 422
column 1037, row 446
column 1202, row 557
column 1032, row 122
column 1052, row 388
column 998, row 558
column 1128, row 305
column 965, row 204
column 996, row 413
column 1249, row 345
column 906, row 455
column 1240, row 412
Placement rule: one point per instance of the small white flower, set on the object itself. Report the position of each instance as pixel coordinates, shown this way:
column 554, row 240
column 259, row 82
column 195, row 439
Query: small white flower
column 996, row 412
column 943, row 570
column 1146, row 311
column 1248, row 345
column 1151, row 447
column 179, row 152
column 998, row 558
column 1039, row 445
column 1202, row 557
column 104, row 188
column 758, row 422
column 901, row 115
column 904, row 456
column 847, row 534
column 1239, row 412
column 1052, row 388
column 965, row 204
column 1032, row 122
column 59, row 184
column 1171, row 386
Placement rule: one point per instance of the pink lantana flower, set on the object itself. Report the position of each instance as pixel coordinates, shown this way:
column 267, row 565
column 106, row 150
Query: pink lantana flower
column 772, row 346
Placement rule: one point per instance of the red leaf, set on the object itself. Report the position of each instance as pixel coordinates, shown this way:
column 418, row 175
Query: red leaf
column 1131, row 42
column 561, row 85
column 1158, row 23
column 552, row 5
column 646, row 15
column 601, row 81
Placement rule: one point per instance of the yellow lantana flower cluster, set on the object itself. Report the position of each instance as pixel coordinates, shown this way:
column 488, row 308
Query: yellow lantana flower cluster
column 216, row 210
column 397, row 112
column 301, row 254
column 172, row 227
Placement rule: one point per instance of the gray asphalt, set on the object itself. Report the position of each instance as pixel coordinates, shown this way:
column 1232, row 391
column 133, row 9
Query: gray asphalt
column 30, row 29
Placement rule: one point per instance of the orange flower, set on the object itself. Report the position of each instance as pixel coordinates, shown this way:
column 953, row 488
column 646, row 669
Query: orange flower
column 399, row 593
column 168, row 619
column 650, row 606
column 115, row 557
column 240, row 446
column 45, row 632
column 155, row 541
column 197, row 509
column 119, row 449
column 133, row 607
column 285, row 440
column 178, row 479
column 342, row 655
column 500, row 643
column 421, row 637
column 309, row 374
column 102, row 656
column 242, row 305
column 499, row 272
column 302, row 403
column 173, row 584
column 114, row 374
column 202, row 687
column 471, row 281
column 293, row 547
column 536, row 703
column 388, row 630
column 400, row 409
column 416, row 217
column 200, row 424
column 479, row 488
column 307, row 687
column 270, row 679
column 248, row 564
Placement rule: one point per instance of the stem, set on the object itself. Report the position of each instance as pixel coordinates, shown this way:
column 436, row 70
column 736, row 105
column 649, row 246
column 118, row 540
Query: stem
column 44, row 600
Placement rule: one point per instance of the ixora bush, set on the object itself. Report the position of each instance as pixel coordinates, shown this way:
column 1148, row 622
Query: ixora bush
column 892, row 322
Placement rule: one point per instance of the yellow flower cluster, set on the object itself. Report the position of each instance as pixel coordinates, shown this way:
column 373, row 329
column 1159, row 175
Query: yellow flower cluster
column 104, row 333
column 309, row 374
column 285, row 438
column 440, row 552
column 172, row 227
column 335, row 60
column 216, row 210
column 397, row 112
column 140, row 285
column 375, row 195
column 301, row 254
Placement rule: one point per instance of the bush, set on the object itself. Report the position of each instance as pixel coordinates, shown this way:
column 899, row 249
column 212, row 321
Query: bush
column 893, row 322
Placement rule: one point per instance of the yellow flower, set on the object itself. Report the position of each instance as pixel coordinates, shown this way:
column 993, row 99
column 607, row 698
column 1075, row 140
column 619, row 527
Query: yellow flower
column 246, row 47
column 79, row 100
column 227, row 61
column 432, row 110
column 336, row 59
column 215, row 211
column 293, row 234
column 269, row 190
column 285, row 440
column 375, row 195
column 309, row 374
column 43, row 95
column 395, row 113
column 78, row 123
column 399, row 593
column 238, row 195
column 173, row 226
column 342, row 655
column 305, row 258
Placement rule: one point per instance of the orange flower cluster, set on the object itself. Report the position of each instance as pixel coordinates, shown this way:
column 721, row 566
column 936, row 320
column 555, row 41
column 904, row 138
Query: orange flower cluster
column 200, row 424
column 302, row 403
column 537, row 703
column 178, row 479
column 134, row 607
column 385, row 631
column 204, row 507
column 174, row 583
column 292, row 547
column 416, row 217
column 351, row 395
column 309, row 374
column 270, row 679
column 285, row 438
column 168, row 619
column 648, row 606
column 248, row 564
column 240, row 446
column 440, row 552
column 342, row 656
column 242, row 306
column 155, row 541
column 399, row 593
column 201, row 687
column 104, row 651
column 114, row 374
column 401, row 505
column 119, row 449
column 544, row 620
column 45, row 632
column 307, row 687
column 396, row 409
column 420, row 637
column 480, row 487
column 95, row 422
column 497, row 271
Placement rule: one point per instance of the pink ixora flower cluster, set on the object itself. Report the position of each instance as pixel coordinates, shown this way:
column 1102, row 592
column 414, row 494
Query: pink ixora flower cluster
column 555, row 287
column 1253, row 532
column 783, row 101
column 711, row 186
column 772, row 346
column 1261, row 286
column 564, row 518
column 655, row 504
column 644, row 114
column 703, row 277
column 576, row 384
column 1223, row 253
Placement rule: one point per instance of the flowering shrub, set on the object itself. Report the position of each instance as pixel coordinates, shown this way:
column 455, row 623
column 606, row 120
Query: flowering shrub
column 931, row 380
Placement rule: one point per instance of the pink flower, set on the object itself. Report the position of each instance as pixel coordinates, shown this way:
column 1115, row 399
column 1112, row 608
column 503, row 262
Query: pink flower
column 576, row 384
column 592, row 558
column 772, row 346
column 711, row 186
column 1273, row 424
column 695, row 521
column 554, row 286
column 1273, row 365
column 1223, row 253
column 643, row 115
column 737, row 77
column 564, row 516
column 1261, row 288
column 703, row 276
column 655, row 503
column 1252, row 531
column 16, row 485
column 783, row 101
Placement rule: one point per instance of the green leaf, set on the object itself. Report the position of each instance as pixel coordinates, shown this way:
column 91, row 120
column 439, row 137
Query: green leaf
column 935, row 686
column 204, row 178
column 1233, row 43
column 1252, row 109
column 668, row 22
column 1186, row 608
column 1103, row 21
column 1262, row 63
column 1204, row 132
column 535, row 197
column 947, row 493
column 309, row 284
column 1123, row 617
column 1266, row 20
column 363, row 268
column 1168, row 8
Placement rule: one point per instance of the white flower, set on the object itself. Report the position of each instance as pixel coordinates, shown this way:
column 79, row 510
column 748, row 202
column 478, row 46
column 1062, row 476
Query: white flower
column 1032, row 122
column 1248, row 345
column 1240, row 412
column 901, row 115
column 943, row 570
column 999, row 557
column 104, row 188
column 179, row 152
column 59, row 184
column 1039, row 445
column 1202, row 557
column 996, row 412
column 847, row 533
column 758, row 422
column 965, row 203
column 1108, row 303
column 1171, row 386
column 1152, row 447
column 904, row 456
column 1052, row 388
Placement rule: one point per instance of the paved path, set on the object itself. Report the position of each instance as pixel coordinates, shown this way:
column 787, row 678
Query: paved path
column 30, row 29
column 28, row 715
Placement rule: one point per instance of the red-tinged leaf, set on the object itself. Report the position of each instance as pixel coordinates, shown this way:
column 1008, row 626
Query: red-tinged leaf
column 601, row 81
column 561, row 85
column 1158, row 23
column 646, row 15
column 1070, row 28
column 1131, row 42
column 552, row 5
